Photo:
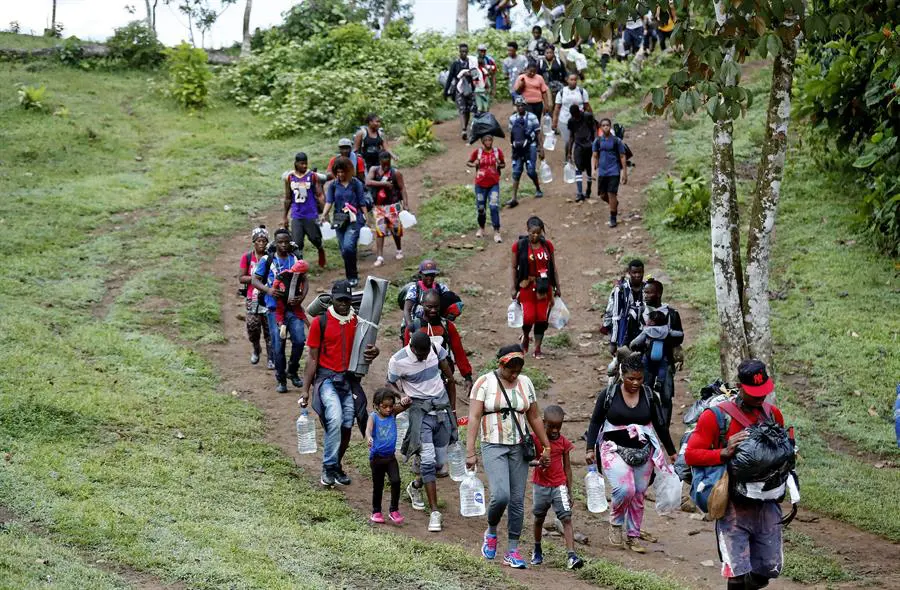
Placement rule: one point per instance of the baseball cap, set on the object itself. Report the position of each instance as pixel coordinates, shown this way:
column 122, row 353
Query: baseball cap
column 341, row 290
column 754, row 378
column 344, row 142
column 482, row 47
column 519, row 100
column 428, row 267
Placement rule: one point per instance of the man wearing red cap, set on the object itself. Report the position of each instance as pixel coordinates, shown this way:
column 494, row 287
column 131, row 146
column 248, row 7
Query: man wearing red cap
column 749, row 534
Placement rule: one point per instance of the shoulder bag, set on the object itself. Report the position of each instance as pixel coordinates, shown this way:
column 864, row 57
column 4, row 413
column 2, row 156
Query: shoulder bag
column 529, row 452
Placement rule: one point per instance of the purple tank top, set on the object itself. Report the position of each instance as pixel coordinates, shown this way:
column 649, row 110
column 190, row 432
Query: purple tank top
column 303, row 189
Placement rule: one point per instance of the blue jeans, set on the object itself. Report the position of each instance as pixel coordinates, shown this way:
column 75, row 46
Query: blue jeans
column 297, row 333
column 347, row 239
column 435, row 439
column 528, row 161
column 491, row 197
column 339, row 413
column 660, row 376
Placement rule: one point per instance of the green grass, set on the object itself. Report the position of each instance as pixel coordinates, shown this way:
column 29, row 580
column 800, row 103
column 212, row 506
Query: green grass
column 829, row 277
column 119, row 442
column 806, row 563
column 448, row 213
column 22, row 41
column 559, row 340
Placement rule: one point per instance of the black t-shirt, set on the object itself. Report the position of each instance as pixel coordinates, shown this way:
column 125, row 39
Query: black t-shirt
column 584, row 130
column 620, row 414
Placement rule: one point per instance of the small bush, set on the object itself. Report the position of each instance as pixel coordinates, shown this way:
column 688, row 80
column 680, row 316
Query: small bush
column 14, row 27
column 420, row 135
column 397, row 29
column 136, row 45
column 689, row 201
column 189, row 76
column 32, row 99
column 71, row 52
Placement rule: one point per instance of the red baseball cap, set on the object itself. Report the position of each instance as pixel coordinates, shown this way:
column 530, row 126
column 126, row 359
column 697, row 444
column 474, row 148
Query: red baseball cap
column 754, row 378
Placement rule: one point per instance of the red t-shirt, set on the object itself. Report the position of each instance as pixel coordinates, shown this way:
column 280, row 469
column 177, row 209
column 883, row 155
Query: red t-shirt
column 554, row 475
column 360, row 165
column 248, row 265
column 336, row 354
column 703, row 446
column 538, row 257
column 487, row 174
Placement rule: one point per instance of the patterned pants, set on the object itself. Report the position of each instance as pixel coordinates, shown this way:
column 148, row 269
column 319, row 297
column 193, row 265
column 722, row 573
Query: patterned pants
column 628, row 487
column 258, row 326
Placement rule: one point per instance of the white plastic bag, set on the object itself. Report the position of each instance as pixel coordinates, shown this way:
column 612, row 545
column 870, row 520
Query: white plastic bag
column 569, row 173
column 559, row 314
column 407, row 219
column 515, row 315
column 550, row 141
column 668, row 492
column 328, row 232
column 546, row 172
column 365, row 236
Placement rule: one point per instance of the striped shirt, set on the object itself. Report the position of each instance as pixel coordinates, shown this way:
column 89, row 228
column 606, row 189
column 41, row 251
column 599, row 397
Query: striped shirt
column 418, row 379
column 497, row 428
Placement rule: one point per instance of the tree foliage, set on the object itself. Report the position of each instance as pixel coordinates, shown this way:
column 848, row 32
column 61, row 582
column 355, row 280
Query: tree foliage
column 189, row 76
column 136, row 45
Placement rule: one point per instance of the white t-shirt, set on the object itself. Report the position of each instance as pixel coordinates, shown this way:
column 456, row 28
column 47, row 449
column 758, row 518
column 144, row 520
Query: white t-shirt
column 495, row 427
column 418, row 379
column 567, row 97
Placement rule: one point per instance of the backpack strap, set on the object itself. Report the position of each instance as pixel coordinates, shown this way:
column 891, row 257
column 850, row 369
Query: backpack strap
column 735, row 412
column 323, row 322
column 723, row 421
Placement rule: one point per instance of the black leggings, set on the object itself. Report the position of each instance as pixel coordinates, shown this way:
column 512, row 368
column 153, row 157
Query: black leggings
column 382, row 466
column 539, row 328
column 749, row 581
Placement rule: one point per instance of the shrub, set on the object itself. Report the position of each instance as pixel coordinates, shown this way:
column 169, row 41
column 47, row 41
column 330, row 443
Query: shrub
column 397, row 29
column 71, row 52
column 32, row 99
column 689, row 201
column 14, row 27
column 136, row 45
column 420, row 135
column 189, row 76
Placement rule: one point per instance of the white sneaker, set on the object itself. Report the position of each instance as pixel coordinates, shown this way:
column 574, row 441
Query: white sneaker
column 379, row 261
column 479, row 233
column 399, row 255
column 497, row 237
column 434, row 523
column 415, row 497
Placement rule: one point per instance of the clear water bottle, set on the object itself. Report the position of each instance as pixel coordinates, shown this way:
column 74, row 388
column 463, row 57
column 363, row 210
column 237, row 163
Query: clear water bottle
column 569, row 173
column 547, row 125
column 550, row 142
column 306, row 433
column 897, row 415
column 402, row 427
column 456, row 454
column 546, row 172
column 471, row 495
column 515, row 315
column 595, row 490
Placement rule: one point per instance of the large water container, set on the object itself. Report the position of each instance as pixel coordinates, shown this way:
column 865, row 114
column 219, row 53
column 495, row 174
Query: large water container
column 569, row 173
column 595, row 490
column 515, row 315
column 328, row 232
column 306, row 433
column 471, row 495
column 407, row 219
column 550, row 141
column 546, row 172
column 456, row 455
column 365, row 236
column 402, row 427
column 547, row 125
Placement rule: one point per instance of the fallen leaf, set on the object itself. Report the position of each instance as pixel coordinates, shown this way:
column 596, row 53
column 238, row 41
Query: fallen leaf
column 872, row 411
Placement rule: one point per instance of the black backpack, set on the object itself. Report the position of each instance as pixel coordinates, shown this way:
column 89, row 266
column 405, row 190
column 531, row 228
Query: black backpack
column 266, row 261
column 492, row 10
column 519, row 136
column 619, row 131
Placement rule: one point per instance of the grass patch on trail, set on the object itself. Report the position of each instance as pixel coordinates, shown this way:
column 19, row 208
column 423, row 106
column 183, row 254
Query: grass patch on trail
column 806, row 563
column 829, row 381
column 118, row 441
column 448, row 213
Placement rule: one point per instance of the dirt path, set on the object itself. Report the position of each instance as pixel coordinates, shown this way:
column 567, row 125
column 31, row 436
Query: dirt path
column 588, row 252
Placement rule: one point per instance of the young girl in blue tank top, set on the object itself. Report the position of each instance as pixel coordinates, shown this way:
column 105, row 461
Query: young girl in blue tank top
column 381, row 434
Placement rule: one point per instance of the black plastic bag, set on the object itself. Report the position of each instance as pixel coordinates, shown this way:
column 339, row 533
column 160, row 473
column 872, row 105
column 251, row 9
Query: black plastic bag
column 682, row 469
column 767, row 452
column 485, row 124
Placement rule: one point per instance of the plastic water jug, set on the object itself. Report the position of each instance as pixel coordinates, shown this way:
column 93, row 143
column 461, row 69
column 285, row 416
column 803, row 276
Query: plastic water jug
column 569, row 173
column 328, row 232
column 407, row 219
column 897, row 415
column 547, row 125
column 515, row 316
column 546, row 172
column 456, row 454
column 550, row 141
column 595, row 490
column 471, row 495
column 306, row 433
column 402, row 427
column 365, row 236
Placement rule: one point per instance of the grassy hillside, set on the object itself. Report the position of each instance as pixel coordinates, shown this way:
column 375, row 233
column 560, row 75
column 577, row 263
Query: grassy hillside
column 117, row 441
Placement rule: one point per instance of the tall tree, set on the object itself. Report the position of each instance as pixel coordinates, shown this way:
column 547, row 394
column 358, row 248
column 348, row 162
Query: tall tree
column 53, row 19
column 245, row 44
column 710, row 76
column 462, row 17
column 388, row 13
column 151, row 14
column 200, row 14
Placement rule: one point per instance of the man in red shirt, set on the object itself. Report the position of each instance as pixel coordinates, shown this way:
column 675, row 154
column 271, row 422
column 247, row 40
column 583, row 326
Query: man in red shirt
column 443, row 333
column 334, row 386
column 749, row 535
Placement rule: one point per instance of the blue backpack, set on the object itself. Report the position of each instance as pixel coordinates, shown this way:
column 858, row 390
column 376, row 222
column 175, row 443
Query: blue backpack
column 519, row 136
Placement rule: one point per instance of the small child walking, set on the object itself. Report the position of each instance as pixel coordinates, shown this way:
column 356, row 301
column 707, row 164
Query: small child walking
column 381, row 434
column 551, row 487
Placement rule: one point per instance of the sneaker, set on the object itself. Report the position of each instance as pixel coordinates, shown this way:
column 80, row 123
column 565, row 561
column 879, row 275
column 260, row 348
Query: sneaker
column 254, row 358
column 282, row 387
column 444, row 471
column 612, row 221
column 270, row 365
column 489, row 547
column 322, row 258
column 353, row 282
column 434, row 523
column 650, row 538
column 464, row 136
column 379, row 261
column 514, row 560
column 296, row 380
column 537, row 558
column 377, row 518
column 538, row 195
column 538, row 355
column 327, row 477
column 497, row 237
column 513, row 204
column 415, row 496
column 574, row 562
column 479, row 233
column 579, row 198
column 396, row 518
column 342, row 478
column 398, row 255
column 615, row 536
column 634, row 544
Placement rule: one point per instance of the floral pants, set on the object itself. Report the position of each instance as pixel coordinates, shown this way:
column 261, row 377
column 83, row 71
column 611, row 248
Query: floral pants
column 628, row 486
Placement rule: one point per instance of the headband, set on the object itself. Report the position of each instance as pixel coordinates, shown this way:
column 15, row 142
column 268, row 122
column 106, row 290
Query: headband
column 259, row 232
column 510, row 356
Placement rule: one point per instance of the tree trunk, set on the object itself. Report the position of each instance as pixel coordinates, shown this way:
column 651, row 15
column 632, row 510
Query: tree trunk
column 765, row 204
column 149, row 15
column 53, row 19
column 462, row 17
column 388, row 13
column 245, row 45
column 725, row 239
